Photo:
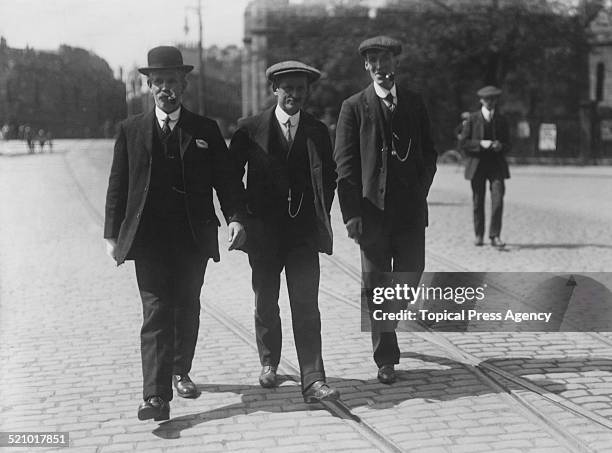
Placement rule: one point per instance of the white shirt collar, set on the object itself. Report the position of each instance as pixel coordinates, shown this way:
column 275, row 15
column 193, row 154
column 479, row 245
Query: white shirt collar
column 488, row 114
column 161, row 116
column 283, row 116
column 382, row 92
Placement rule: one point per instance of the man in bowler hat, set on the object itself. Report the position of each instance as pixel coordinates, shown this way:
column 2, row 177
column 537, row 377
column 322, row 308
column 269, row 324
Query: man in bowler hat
column 386, row 162
column 290, row 187
column 160, row 213
column 485, row 141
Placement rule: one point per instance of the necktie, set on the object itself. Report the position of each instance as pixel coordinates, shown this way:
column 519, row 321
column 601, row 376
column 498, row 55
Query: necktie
column 166, row 127
column 389, row 102
column 289, row 137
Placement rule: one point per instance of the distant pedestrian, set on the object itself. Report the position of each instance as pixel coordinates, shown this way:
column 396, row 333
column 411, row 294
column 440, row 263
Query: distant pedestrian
column 42, row 137
column 6, row 130
column 28, row 135
column 50, row 141
column 485, row 141
column 459, row 129
column 160, row 213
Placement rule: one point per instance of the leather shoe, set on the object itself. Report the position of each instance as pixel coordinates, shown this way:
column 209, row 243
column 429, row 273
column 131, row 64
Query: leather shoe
column 320, row 391
column 497, row 242
column 184, row 386
column 267, row 378
column 386, row 374
column 478, row 241
column 155, row 408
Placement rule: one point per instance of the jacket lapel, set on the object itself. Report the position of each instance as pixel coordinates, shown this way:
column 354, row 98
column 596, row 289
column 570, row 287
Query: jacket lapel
column 307, row 128
column 185, row 135
column 307, row 124
column 147, row 131
column 372, row 106
column 479, row 132
column 404, row 103
column 261, row 136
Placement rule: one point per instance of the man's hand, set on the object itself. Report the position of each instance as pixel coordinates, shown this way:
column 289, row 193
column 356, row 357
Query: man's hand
column 237, row 235
column 354, row 229
column 111, row 244
column 496, row 146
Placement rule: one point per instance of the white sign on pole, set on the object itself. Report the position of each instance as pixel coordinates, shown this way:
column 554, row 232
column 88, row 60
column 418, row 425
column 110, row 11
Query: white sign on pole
column 606, row 130
column 522, row 129
column 548, row 137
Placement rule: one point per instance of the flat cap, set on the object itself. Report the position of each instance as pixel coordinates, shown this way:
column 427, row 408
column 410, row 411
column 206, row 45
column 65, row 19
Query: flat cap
column 488, row 91
column 292, row 67
column 381, row 43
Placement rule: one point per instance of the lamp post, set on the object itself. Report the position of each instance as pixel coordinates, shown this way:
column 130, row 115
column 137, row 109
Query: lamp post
column 198, row 10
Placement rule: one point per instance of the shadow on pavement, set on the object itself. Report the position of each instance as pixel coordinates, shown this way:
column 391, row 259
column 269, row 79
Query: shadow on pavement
column 26, row 154
column 557, row 246
column 447, row 203
column 447, row 381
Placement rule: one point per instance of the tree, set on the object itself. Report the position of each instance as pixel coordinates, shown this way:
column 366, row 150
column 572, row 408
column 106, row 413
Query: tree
column 534, row 50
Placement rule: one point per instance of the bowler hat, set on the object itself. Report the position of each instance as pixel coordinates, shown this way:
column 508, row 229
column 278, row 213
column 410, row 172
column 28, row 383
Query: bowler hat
column 292, row 67
column 164, row 57
column 381, row 43
column 488, row 91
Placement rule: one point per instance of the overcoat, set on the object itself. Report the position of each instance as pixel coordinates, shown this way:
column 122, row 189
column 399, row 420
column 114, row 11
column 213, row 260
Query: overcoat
column 205, row 165
column 469, row 142
column 362, row 155
column 266, row 174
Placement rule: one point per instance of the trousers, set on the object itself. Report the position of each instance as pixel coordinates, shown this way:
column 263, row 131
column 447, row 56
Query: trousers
column 403, row 252
column 169, row 279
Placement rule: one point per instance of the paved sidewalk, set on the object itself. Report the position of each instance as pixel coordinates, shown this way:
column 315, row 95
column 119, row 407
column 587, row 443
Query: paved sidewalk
column 69, row 323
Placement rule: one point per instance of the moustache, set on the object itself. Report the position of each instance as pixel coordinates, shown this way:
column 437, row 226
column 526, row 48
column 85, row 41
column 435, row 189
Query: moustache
column 171, row 96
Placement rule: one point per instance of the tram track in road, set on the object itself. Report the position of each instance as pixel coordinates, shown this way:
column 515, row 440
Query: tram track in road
column 489, row 374
column 337, row 408
column 492, row 375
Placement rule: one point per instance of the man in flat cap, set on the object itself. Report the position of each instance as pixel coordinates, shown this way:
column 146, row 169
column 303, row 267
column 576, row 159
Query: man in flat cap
column 290, row 187
column 160, row 213
column 485, row 140
column 386, row 162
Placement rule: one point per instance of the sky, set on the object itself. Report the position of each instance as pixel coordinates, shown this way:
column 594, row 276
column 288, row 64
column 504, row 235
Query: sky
column 120, row 31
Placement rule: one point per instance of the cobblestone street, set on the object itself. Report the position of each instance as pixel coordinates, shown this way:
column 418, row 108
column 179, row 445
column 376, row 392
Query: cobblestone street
column 70, row 321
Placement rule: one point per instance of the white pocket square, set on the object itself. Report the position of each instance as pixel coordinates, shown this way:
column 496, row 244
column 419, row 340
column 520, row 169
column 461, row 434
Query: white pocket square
column 201, row 143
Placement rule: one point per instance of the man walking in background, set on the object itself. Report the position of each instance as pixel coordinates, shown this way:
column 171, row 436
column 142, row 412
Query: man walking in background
column 386, row 162
column 160, row 213
column 485, row 141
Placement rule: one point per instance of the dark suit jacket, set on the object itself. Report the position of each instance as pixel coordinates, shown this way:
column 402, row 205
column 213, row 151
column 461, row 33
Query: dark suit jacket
column 251, row 144
column 469, row 142
column 204, row 167
column 358, row 152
